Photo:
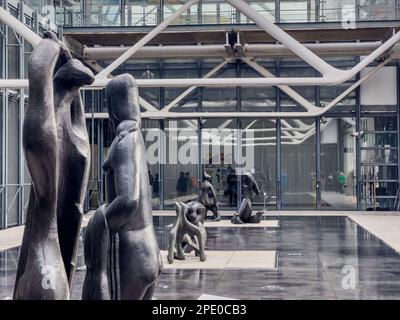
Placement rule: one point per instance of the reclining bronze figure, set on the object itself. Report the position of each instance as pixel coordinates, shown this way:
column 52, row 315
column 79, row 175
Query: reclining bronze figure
column 245, row 213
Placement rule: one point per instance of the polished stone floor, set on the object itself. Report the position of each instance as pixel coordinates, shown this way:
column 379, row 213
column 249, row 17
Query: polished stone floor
column 316, row 257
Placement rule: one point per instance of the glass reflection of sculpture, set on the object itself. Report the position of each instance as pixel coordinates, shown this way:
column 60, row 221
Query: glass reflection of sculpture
column 57, row 152
column 245, row 213
column 208, row 197
column 188, row 232
column 121, row 251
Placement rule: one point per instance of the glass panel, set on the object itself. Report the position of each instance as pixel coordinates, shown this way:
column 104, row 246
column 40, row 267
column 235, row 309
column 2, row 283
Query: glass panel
column 259, row 137
column 257, row 98
column 218, row 12
column 218, row 159
column 378, row 195
column 189, row 101
column 378, row 10
column 371, row 172
column 293, row 69
column 338, row 161
column 13, row 55
column 12, row 153
column 153, row 138
column 337, row 10
column 298, row 164
column 188, row 17
column 181, row 162
column 293, row 11
column 103, row 13
column 220, row 99
column 379, row 156
column 265, row 8
column 141, row 12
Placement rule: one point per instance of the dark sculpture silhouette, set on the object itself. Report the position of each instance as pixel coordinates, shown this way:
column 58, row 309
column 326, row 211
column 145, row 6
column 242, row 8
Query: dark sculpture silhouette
column 208, row 197
column 188, row 232
column 121, row 251
column 245, row 213
column 57, row 152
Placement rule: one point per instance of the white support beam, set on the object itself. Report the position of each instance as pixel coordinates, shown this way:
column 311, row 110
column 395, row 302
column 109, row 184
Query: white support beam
column 20, row 28
column 159, row 28
column 219, row 51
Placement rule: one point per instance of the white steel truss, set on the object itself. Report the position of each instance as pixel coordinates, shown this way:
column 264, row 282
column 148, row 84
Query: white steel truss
column 329, row 74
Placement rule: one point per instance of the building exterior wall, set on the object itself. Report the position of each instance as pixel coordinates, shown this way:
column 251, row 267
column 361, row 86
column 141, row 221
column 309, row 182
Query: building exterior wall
column 328, row 169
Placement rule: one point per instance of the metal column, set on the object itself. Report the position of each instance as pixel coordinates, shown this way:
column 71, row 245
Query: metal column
column 161, row 155
column 318, row 163
column 4, row 124
column 358, row 150
column 398, row 129
column 278, row 144
column 239, row 134
column 21, row 178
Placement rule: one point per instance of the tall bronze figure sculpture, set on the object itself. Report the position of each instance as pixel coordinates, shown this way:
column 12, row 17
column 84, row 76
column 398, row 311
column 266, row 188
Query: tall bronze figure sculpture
column 245, row 213
column 121, row 251
column 208, row 197
column 189, row 229
column 57, row 152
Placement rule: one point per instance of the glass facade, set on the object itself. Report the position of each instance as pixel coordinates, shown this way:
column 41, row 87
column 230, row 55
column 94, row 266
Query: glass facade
column 151, row 12
column 346, row 159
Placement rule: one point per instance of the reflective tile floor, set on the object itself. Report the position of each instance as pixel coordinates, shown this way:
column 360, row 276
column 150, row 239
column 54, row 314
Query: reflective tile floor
column 317, row 258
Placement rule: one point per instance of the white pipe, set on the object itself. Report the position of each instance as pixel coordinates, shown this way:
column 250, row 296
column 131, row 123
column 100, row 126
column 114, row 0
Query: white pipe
column 19, row 27
column 131, row 51
column 219, row 51
column 170, row 83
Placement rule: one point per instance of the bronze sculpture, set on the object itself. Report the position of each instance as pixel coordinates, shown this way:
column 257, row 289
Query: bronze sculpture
column 56, row 148
column 245, row 213
column 208, row 197
column 121, row 251
column 188, row 229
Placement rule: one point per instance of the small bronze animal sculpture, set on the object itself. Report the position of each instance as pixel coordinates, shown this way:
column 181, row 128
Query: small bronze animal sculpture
column 208, row 197
column 121, row 251
column 245, row 213
column 188, row 229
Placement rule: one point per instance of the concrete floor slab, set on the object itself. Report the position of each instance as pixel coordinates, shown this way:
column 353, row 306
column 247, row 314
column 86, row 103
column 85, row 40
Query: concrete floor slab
column 228, row 224
column 257, row 259
column 386, row 228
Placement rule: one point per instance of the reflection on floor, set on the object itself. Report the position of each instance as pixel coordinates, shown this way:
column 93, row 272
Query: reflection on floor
column 314, row 256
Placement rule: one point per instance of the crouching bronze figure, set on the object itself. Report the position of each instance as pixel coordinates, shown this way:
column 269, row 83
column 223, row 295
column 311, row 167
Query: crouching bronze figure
column 121, row 251
column 188, row 232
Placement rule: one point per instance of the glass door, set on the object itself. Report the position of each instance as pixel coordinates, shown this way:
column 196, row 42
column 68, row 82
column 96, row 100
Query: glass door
column 298, row 172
